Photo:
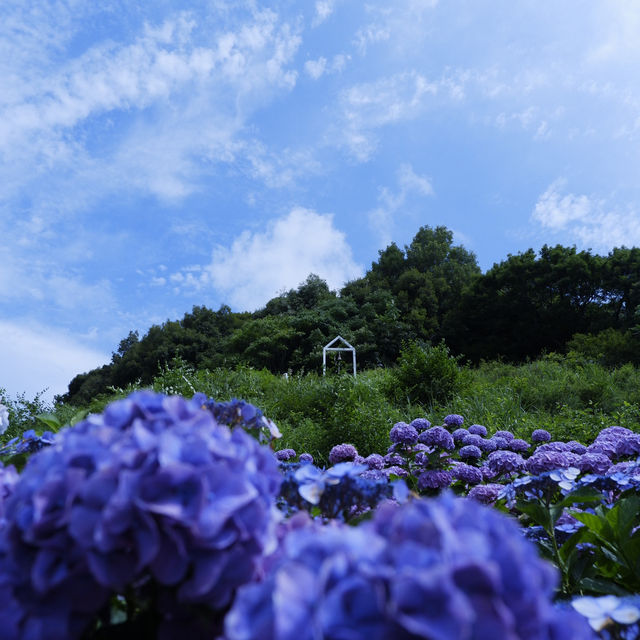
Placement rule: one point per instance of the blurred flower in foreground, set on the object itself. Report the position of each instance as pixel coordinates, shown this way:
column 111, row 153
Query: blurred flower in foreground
column 440, row 569
column 4, row 419
column 605, row 610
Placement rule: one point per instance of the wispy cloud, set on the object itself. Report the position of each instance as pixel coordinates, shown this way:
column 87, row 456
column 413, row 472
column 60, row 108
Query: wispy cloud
column 383, row 218
column 592, row 221
column 367, row 107
column 260, row 264
column 35, row 358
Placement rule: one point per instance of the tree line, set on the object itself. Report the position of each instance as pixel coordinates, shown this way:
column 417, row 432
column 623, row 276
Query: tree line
column 430, row 291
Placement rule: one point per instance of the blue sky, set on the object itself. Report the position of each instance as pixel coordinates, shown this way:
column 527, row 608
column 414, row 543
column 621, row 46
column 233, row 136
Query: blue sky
column 160, row 155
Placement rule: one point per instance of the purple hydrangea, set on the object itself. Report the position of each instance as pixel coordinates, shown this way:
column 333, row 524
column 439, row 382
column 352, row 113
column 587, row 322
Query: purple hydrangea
column 518, row 445
column 466, row 473
column 473, row 439
column 487, row 445
column 542, row 461
column 576, row 447
column 594, row 463
column 553, row 446
column 420, row 424
column 478, row 429
column 151, row 490
column 306, row 458
column 393, row 470
column 470, row 451
column 499, row 442
column 507, row 435
column 434, row 479
column 459, row 434
column 454, row 420
column 394, row 459
column 487, row 472
column 540, row 435
column 342, row 453
column 485, row 493
column 628, row 445
column 437, row 437
column 284, row 455
column 440, row 568
column 503, row 462
column 608, row 447
column 374, row 461
column 403, row 434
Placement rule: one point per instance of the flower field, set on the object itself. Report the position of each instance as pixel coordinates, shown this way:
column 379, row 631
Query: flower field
column 167, row 517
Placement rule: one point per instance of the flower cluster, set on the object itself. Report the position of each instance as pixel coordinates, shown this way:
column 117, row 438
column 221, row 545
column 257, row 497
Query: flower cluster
column 441, row 568
column 152, row 492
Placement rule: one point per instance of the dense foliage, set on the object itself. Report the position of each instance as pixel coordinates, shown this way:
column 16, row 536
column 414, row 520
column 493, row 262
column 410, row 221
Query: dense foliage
column 557, row 300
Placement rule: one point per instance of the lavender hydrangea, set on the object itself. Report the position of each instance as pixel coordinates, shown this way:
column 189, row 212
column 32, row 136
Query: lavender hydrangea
column 453, row 420
column 594, row 463
column 485, row 493
column 478, row 429
column 306, row 458
column 507, row 435
column 441, row 568
column 403, row 434
column 420, row 424
column 284, row 455
column 342, row 453
column 470, row 451
column 472, row 439
column 459, row 434
column 437, row 437
column 434, row 479
column 540, row 435
column 518, row 445
column 542, row 461
column 503, row 462
column 374, row 461
column 467, row 474
column 151, row 490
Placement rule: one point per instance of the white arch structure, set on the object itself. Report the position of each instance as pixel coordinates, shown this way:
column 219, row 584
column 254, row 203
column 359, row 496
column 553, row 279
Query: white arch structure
column 330, row 347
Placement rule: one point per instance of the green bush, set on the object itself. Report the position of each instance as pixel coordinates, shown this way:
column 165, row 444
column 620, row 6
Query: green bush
column 426, row 374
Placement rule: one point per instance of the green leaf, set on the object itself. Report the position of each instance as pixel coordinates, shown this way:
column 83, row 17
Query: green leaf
column 597, row 585
column 538, row 514
column 50, row 420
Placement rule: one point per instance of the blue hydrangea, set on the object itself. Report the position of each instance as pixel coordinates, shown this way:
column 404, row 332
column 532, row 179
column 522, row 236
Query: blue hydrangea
column 504, row 462
column 437, row 437
column 284, row 455
column 420, row 424
column 470, row 451
column 342, row 453
column 440, row 569
column 453, row 420
column 403, row 434
column 467, row 474
column 151, row 490
column 540, row 435
column 478, row 429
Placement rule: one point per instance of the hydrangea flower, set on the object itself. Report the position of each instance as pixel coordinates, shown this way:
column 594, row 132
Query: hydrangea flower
column 403, row 434
column 603, row 610
column 540, row 435
column 441, row 568
column 434, row 479
column 473, row 439
column 374, row 461
column 594, row 463
column 459, row 434
column 542, row 461
column 470, row 451
column 478, row 429
column 453, row 420
column 507, row 435
column 553, row 446
column 306, row 457
column 518, row 445
column 394, row 459
column 342, row 453
column 498, row 442
column 503, row 462
column 420, row 424
column 576, row 447
column 485, row 493
column 466, row 473
column 284, row 455
column 437, row 437
column 151, row 490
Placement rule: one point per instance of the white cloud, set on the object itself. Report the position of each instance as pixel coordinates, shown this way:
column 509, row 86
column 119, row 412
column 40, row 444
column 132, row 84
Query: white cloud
column 382, row 219
column 593, row 222
column 315, row 68
column 324, row 8
column 38, row 358
column 369, row 106
column 260, row 264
